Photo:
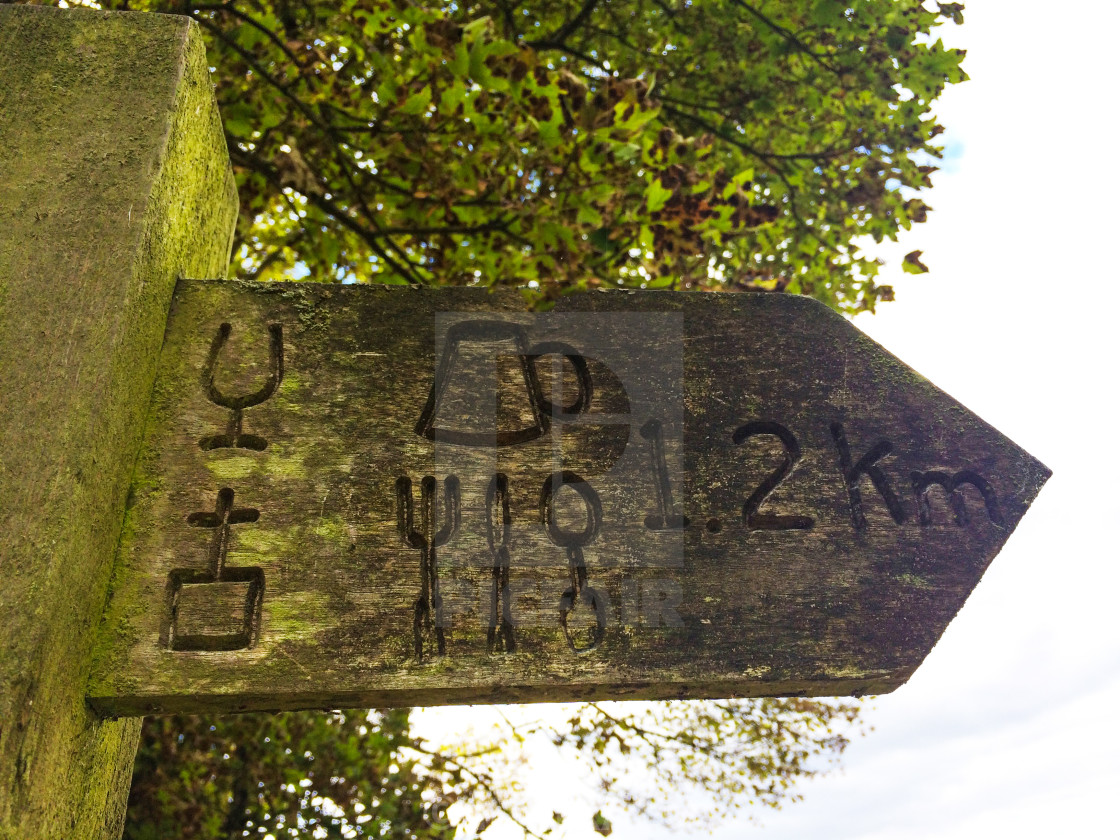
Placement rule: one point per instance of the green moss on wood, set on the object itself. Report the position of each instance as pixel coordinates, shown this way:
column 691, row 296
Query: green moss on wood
column 114, row 180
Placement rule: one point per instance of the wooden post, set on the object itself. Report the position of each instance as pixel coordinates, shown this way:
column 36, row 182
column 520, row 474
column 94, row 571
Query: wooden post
column 114, row 180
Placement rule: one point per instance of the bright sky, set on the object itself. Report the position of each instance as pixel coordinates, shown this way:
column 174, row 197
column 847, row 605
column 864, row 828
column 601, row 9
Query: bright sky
column 1007, row 729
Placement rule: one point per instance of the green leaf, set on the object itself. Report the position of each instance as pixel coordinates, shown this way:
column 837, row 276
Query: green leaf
column 460, row 65
column 737, row 181
column 656, row 195
column 588, row 215
column 912, row 263
column 468, row 214
column 477, row 26
column 239, row 119
column 636, row 116
column 601, row 824
column 827, row 12
column 601, row 240
column 417, row 103
column 549, row 133
column 452, row 97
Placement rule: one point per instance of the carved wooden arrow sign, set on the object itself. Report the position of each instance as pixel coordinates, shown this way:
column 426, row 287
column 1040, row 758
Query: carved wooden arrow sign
column 386, row 495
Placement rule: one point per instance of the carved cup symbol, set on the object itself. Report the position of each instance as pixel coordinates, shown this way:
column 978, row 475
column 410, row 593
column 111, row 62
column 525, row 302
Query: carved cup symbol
column 234, row 438
column 469, row 403
column 462, row 403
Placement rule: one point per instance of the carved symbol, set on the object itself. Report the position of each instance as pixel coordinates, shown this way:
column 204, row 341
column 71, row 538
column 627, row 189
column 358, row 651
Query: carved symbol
column 754, row 520
column 542, row 409
column 668, row 519
column 487, row 331
column 924, row 481
column 500, row 633
column 573, row 542
column 584, row 385
column 234, row 438
column 866, row 466
column 427, row 539
column 217, row 572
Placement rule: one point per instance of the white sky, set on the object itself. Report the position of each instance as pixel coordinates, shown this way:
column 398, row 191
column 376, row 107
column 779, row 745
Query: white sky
column 1007, row 729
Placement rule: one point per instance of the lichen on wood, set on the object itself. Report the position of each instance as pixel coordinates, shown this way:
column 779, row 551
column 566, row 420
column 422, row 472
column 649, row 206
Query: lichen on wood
column 114, row 180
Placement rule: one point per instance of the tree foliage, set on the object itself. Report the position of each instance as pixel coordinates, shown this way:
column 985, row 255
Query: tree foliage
column 287, row 775
column 723, row 753
column 566, row 144
column 365, row 774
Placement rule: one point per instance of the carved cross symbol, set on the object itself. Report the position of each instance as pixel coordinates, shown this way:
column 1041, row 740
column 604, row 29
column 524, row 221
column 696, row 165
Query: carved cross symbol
column 223, row 515
column 223, row 624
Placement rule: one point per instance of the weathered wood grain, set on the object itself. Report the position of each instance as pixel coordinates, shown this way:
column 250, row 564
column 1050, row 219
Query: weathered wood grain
column 388, row 495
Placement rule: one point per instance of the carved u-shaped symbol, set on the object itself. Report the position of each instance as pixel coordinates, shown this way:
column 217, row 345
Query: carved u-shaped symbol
column 234, row 437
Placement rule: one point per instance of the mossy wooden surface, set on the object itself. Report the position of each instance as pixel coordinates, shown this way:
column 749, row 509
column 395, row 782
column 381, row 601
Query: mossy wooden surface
column 113, row 180
column 838, row 580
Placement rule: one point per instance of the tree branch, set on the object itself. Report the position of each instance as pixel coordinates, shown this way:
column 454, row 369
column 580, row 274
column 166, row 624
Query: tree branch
column 746, row 147
column 562, row 34
column 256, row 24
column 275, row 254
column 483, row 781
column 327, row 206
column 786, row 35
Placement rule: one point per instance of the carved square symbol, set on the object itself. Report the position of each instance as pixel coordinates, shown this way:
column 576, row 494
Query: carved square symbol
column 209, row 615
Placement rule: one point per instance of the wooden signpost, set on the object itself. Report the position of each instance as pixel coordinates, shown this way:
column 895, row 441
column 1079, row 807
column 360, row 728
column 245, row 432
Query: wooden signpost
column 389, row 495
column 323, row 497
